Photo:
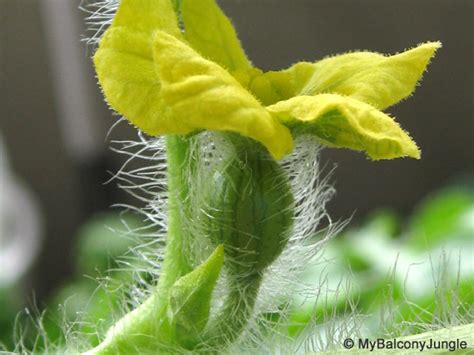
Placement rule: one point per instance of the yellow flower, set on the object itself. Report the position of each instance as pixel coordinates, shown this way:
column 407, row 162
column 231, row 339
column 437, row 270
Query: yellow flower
column 168, row 81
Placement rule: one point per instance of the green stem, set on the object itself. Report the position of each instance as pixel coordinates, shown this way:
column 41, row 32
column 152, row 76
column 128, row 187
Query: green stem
column 232, row 319
column 175, row 263
column 144, row 327
column 250, row 214
column 251, row 211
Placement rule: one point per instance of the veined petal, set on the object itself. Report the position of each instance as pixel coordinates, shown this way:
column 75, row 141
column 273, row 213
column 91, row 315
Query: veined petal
column 369, row 77
column 200, row 94
column 343, row 122
column 170, row 89
column 124, row 62
column 211, row 34
column 273, row 86
column 126, row 73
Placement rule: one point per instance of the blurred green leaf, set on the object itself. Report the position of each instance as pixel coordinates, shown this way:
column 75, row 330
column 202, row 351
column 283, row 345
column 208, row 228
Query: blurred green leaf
column 445, row 215
column 85, row 303
column 10, row 303
column 102, row 240
column 445, row 219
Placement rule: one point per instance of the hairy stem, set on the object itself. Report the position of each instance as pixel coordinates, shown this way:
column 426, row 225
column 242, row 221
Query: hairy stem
column 147, row 325
column 175, row 263
column 251, row 213
column 232, row 319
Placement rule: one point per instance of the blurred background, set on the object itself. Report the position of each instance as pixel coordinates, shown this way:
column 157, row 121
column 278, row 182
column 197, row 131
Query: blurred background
column 54, row 149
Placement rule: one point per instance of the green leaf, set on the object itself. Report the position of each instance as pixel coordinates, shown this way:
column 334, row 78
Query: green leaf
column 190, row 298
column 211, row 33
column 101, row 240
column 199, row 94
column 443, row 217
column 343, row 122
column 373, row 78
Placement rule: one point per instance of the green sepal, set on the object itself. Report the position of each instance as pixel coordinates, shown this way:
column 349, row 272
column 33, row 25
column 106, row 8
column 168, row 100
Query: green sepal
column 190, row 300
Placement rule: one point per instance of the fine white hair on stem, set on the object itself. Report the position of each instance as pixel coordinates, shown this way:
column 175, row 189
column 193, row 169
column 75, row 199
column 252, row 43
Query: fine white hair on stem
column 311, row 189
column 143, row 175
column 100, row 14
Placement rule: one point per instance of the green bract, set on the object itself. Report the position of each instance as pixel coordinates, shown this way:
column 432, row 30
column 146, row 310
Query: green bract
column 190, row 300
column 167, row 81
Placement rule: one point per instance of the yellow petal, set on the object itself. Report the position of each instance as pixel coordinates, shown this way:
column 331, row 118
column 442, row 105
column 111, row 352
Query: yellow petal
column 369, row 77
column 200, row 94
column 126, row 73
column 211, row 33
column 147, row 16
column 124, row 61
column 343, row 122
column 274, row 86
